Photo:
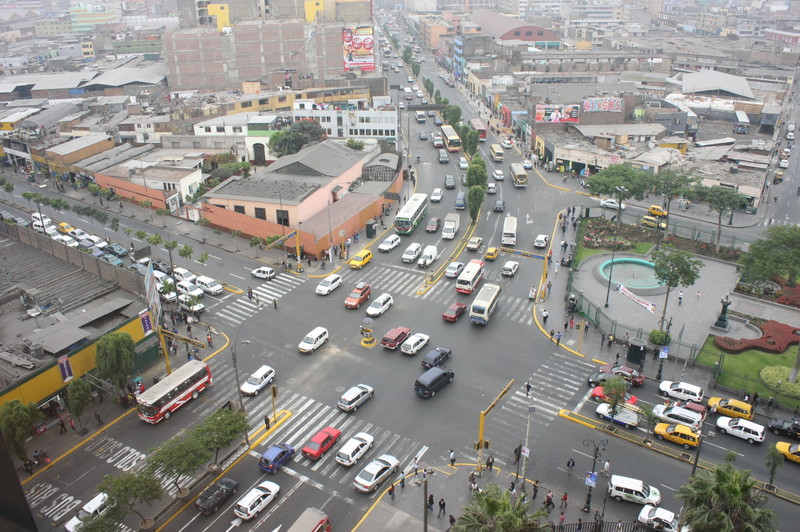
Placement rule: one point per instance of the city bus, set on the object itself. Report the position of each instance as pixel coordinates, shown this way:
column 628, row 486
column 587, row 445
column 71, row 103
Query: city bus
column 420, row 116
column 408, row 93
column 484, row 304
column 741, row 123
column 519, row 176
column 496, row 153
column 469, row 279
column 509, row 237
column 451, row 139
column 173, row 391
column 478, row 126
column 411, row 214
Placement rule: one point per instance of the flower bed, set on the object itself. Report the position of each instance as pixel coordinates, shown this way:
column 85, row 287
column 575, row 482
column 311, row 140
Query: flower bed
column 776, row 337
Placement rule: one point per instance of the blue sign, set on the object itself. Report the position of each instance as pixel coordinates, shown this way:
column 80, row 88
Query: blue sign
column 591, row 479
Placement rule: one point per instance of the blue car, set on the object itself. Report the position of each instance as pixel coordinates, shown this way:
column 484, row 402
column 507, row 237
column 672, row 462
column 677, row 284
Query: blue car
column 274, row 457
column 117, row 250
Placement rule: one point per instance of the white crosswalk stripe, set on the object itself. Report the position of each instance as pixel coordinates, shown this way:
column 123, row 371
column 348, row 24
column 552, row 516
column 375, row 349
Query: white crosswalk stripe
column 235, row 310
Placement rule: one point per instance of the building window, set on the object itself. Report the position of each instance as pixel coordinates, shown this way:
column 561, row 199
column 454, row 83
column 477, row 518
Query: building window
column 517, row 34
column 282, row 217
column 207, row 129
column 528, row 33
column 247, row 104
column 261, row 213
column 237, row 129
column 220, row 129
column 238, row 208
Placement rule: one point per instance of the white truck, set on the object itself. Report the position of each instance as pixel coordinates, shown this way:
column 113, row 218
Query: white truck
column 450, row 227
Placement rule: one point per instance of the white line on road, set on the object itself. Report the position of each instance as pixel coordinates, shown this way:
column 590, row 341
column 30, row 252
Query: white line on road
column 234, row 275
column 215, row 257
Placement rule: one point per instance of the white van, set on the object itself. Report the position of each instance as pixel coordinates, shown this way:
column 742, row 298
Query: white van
column 191, row 289
column 182, row 274
column 313, row 340
column 208, row 285
column 412, row 252
column 46, row 228
column 633, row 490
column 41, row 218
column 94, row 507
column 429, row 255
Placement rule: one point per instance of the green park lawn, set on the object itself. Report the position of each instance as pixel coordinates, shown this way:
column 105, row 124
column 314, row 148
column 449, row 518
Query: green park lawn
column 640, row 248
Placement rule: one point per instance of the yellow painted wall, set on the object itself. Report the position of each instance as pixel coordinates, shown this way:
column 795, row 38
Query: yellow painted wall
column 48, row 381
column 222, row 12
column 312, row 7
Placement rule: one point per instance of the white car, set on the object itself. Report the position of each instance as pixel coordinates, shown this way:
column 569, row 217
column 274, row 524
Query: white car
column 262, row 377
column 454, row 269
column 410, row 79
column 527, row 164
column 389, row 244
column 329, row 284
column 376, row 472
column 612, row 204
column 623, row 416
column 682, row 391
column 414, row 343
column 510, row 268
column 191, row 289
column 741, row 428
column 462, row 163
column 355, row 397
column 491, row 188
column 678, row 414
column 256, row 500
column 263, row 272
column 436, row 195
column 79, row 234
column 498, row 175
column 414, row 88
column 784, row 163
column 412, row 252
column 182, row 274
column 162, row 277
column 97, row 241
column 170, row 296
column 380, row 305
column 541, row 241
column 354, row 448
column 790, row 136
column 659, row 518
column 505, row 143
column 401, row 105
column 66, row 240
column 184, row 302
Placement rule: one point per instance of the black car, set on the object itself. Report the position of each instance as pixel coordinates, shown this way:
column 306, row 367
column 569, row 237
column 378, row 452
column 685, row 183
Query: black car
column 449, row 181
column 436, row 357
column 215, row 495
column 785, row 427
column 598, row 379
column 162, row 266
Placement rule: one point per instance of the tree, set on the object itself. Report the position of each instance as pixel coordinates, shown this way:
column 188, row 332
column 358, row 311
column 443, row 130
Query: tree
column 615, row 390
column 8, row 188
column 451, row 114
column 170, row 246
column 620, row 181
column 162, row 212
column 722, row 201
column 648, row 416
column 115, row 355
column 155, row 239
column 126, row 492
column 203, row 258
column 292, row 139
column 671, row 183
column 221, row 428
column 79, row 395
column 777, row 254
column 235, row 233
column 147, row 204
column 178, row 457
column 256, row 242
column 141, row 235
column 478, row 160
column 16, row 423
column 114, row 225
column 203, row 222
column 477, row 176
column 407, row 53
column 674, row 267
column 355, row 144
column 724, row 499
column 471, row 144
column 415, row 68
column 773, row 460
column 492, row 509
column 186, row 252
column 474, row 201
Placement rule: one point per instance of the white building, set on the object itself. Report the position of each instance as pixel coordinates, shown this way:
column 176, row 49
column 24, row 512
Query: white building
column 356, row 119
column 235, row 124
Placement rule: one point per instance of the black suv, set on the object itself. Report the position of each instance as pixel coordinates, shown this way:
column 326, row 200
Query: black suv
column 449, row 181
column 215, row 495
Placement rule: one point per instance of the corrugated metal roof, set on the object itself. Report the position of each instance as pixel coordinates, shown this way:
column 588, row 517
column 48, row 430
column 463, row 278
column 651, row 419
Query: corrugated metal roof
column 238, row 119
column 621, row 129
column 113, row 157
column 77, row 143
column 711, row 80
column 151, row 74
column 50, row 117
column 328, row 158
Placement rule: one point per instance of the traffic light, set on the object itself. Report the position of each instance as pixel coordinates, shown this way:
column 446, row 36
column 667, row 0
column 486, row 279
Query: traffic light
column 486, row 443
column 274, row 391
column 477, row 445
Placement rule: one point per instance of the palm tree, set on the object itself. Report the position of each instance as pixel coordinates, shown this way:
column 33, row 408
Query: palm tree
column 724, row 499
column 492, row 509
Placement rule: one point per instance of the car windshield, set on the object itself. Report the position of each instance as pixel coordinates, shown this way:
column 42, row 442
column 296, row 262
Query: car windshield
column 355, row 293
column 378, row 303
column 325, row 283
column 308, row 339
column 253, row 380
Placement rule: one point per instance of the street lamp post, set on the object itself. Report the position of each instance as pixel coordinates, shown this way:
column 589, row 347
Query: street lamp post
column 619, row 190
column 610, row 275
column 236, row 368
column 598, row 446
column 531, row 411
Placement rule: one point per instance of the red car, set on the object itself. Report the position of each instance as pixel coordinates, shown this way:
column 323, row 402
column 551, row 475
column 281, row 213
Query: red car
column 599, row 395
column 433, row 225
column 626, row 372
column 321, row 442
column 454, row 312
column 359, row 295
column 395, row 337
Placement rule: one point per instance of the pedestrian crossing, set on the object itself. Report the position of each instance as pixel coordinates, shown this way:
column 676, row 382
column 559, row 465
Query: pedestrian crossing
column 407, row 280
column 308, row 417
column 234, row 308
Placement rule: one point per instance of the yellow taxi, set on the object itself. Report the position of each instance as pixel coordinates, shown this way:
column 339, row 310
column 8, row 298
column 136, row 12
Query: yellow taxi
column 677, row 433
column 652, row 221
column 361, row 259
column 790, row 450
column 64, row 228
column 657, row 210
column 731, row 407
column 492, row 254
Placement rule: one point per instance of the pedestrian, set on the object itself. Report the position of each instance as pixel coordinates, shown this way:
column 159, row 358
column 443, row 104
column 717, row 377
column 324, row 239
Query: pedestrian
column 619, row 526
column 28, row 466
column 62, row 428
column 188, row 354
column 616, row 360
column 513, row 487
column 258, row 301
column 572, row 323
column 424, row 474
column 452, row 457
column 527, row 389
column 249, row 293
column 564, row 499
column 566, row 325
column 72, row 424
column 552, row 333
column 714, row 411
column 610, row 340
column 680, row 298
column 545, row 315
column 796, row 412
column 698, row 294
column 442, row 507
column 430, row 502
column 586, row 325
column 517, row 452
column 549, row 287
column 391, row 491
column 548, row 501
column 558, row 338
column 416, row 467
column 97, row 417
column 570, row 464
column 174, row 319
column 755, row 398
column 535, row 488
column 607, row 467
column 275, row 302
column 266, row 422
column 556, row 269
column 452, row 521
column 602, row 339
column 561, row 521
column 579, row 528
column 188, row 329
column 490, row 462
column 402, row 480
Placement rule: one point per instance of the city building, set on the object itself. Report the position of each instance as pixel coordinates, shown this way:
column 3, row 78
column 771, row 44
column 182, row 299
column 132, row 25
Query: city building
column 355, row 119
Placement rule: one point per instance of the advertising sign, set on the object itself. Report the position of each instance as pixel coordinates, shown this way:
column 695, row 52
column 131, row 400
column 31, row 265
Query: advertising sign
column 358, row 47
column 602, row 105
column 557, row 113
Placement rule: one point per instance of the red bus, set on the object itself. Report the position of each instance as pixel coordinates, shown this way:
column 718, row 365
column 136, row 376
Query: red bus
column 173, row 391
column 477, row 125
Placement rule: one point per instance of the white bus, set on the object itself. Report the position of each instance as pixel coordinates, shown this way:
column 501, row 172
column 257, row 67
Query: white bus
column 509, row 231
column 420, row 116
column 469, row 279
column 496, row 153
column 484, row 304
column 408, row 93
column 411, row 214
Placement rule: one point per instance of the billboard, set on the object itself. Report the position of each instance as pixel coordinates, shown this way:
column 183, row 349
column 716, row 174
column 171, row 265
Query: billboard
column 557, row 113
column 358, row 47
column 602, row 105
